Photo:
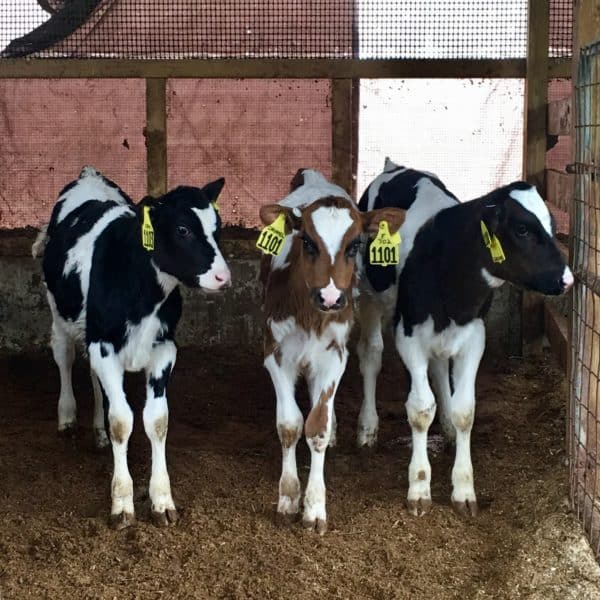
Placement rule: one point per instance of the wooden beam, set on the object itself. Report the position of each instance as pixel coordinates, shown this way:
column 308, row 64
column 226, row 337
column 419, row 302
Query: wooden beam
column 534, row 148
column 155, row 133
column 557, row 332
column 559, row 117
column 341, row 133
column 261, row 68
column 560, row 189
column 560, row 68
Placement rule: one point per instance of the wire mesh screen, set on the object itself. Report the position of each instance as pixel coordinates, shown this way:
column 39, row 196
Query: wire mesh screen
column 273, row 28
column 51, row 128
column 255, row 133
column 473, row 126
column 584, row 413
column 561, row 28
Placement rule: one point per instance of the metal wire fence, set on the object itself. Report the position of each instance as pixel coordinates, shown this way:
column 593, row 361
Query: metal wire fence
column 584, row 413
column 144, row 29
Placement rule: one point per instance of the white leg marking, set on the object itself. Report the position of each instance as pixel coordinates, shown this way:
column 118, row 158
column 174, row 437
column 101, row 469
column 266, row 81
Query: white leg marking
column 120, row 417
column 323, row 380
column 156, row 422
column 420, row 409
column 369, row 350
column 439, row 371
column 289, row 428
column 63, row 350
column 100, row 434
column 462, row 413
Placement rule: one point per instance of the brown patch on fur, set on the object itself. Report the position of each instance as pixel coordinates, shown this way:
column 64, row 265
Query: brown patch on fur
column 118, row 430
column 289, row 487
column 288, row 435
column 271, row 346
column 161, row 425
column 422, row 476
column 316, row 421
column 333, row 345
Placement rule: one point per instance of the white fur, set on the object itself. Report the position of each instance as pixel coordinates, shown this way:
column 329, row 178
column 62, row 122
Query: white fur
column 530, row 200
column 90, row 186
column 567, row 278
column 491, row 280
column 307, row 352
column 331, row 224
column 465, row 345
column 314, row 188
column 218, row 268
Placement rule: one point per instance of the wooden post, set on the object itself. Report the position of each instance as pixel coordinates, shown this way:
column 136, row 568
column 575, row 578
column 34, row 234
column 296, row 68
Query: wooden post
column 534, row 149
column 341, row 132
column 155, row 133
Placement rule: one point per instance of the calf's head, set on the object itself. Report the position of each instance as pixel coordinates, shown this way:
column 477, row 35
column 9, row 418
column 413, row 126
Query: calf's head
column 519, row 218
column 186, row 227
column 326, row 241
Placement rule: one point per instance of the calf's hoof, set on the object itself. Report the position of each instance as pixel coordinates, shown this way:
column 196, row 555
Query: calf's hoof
column 283, row 519
column 366, row 438
column 122, row 520
column 100, row 438
column 68, row 430
column 418, row 507
column 165, row 518
column 466, row 508
column 318, row 525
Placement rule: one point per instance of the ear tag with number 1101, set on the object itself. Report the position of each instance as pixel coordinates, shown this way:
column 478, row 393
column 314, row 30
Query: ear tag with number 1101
column 270, row 240
column 384, row 248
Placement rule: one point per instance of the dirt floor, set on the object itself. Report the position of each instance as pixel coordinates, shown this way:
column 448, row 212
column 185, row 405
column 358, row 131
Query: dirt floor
column 224, row 461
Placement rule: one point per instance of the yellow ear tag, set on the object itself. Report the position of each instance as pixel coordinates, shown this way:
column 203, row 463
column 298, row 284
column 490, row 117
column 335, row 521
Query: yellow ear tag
column 384, row 248
column 270, row 240
column 492, row 243
column 215, row 205
column 147, row 230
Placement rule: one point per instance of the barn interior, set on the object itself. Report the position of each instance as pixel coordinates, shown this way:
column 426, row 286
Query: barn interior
column 158, row 94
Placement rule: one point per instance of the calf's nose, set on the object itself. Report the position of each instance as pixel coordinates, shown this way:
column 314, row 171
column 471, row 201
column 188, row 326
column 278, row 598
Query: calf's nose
column 223, row 278
column 567, row 279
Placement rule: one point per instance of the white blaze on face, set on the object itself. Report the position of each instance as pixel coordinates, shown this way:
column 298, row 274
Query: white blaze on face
column 331, row 225
column 218, row 275
column 530, row 200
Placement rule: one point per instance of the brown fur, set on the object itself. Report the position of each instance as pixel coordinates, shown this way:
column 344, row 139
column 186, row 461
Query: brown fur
column 333, row 345
column 288, row 436
column 161, row 426
column 118, row 431
column 271, row 346
column 316, row 422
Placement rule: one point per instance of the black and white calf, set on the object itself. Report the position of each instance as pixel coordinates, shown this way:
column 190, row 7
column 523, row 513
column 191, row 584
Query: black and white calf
column 121, row 300
column 438, row 297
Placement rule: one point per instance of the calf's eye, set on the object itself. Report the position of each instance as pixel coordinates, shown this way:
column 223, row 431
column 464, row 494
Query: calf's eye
column 183, row 231
column 309, row 246
column 522, row 230
column 352, row 249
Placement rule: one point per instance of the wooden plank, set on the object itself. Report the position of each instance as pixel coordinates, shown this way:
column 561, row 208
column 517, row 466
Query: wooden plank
column 534, row 149
column 341, row 133
column 560, row 68
column 261, row 68
column 560, row 189
column 559, row 117
column 557, row 332
column 155, row 133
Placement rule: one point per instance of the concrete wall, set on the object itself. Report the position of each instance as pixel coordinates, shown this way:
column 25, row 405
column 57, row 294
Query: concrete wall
column 230, row 318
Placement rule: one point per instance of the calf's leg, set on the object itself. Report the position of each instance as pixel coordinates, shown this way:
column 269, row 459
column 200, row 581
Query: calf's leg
column 63, row 350
column 439, row 370
column 462, row 413
column 420, row 409
column 369, row 350
column 156, row 422
column 323, row 381
column 109, row 371
column 99, row 424
column 289, row 428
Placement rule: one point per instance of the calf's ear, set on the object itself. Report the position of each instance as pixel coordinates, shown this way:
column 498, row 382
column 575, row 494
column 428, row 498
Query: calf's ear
column 213, row 189
column 394, row 217
column 491, row 216
column 270, row 212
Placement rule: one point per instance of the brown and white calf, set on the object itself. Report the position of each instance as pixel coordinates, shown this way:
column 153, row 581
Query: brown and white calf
column 308, row 308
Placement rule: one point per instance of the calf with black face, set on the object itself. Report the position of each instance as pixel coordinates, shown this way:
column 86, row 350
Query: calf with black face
column 112, row 271
column 453, row 256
